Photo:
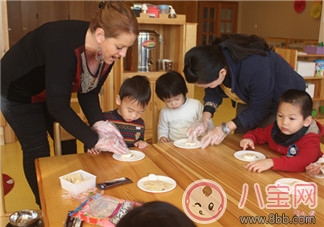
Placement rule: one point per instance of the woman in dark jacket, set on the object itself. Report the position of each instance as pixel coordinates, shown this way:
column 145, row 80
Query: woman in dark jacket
column 245, row 69
column 39, row 74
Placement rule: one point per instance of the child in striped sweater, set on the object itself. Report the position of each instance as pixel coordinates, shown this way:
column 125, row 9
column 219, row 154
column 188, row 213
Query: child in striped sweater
column 132, row 100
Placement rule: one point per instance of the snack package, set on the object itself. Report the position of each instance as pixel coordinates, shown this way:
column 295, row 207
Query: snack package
column 103, row 210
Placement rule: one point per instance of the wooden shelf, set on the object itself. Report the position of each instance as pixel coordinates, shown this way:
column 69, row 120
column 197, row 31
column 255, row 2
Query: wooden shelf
column 318, row 99
column 151, row 75
column 291, row 43
column 310, row 56
column 313, row 78
column 163, row 19
column 178, row 37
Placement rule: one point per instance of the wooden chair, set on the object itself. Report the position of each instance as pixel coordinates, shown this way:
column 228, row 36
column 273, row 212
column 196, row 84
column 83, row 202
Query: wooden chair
column 290, row 55
column 60, row 134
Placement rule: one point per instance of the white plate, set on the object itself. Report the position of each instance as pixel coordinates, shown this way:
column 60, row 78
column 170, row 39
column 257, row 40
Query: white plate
column 153, row 178
column 320, row 160
column 321, row 175
column 288, row 182
column 240, row 155
column 137, row 155
column 182, row 143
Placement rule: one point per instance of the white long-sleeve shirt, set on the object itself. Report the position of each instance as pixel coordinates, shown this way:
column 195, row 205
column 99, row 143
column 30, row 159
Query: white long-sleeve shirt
column 174, row 123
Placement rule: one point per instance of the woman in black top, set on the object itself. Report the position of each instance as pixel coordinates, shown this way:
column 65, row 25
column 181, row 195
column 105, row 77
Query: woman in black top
column 39, row 74
column 246, row 70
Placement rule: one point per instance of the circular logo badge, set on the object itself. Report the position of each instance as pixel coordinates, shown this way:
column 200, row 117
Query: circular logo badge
column 204, row 201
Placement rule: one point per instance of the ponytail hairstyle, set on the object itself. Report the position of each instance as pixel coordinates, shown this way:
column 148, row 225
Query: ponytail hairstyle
column 202, row 64
column 114, row 17
column 242, row 46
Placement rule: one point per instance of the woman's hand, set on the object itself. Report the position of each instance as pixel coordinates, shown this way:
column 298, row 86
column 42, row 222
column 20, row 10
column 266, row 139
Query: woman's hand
column 197, row 129
column 110, row 139
column 140, row 144
column 111, row 143
column 245, row 143
column 214, row 137
column 106, row 128
column 260, row 165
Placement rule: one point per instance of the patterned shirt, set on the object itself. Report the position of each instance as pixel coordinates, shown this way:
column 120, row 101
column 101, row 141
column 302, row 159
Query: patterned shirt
column 131, row 131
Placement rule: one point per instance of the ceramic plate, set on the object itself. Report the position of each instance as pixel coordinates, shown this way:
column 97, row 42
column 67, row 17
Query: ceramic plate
column 321, row 175
column 288, row 182
column 137, row 155
column 320, row 161
column 156, row 184
column 241, row 155
column 183, row 143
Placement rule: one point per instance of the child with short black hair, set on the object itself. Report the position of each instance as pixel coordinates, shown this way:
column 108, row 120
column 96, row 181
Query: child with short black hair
column 133, row 98
column 156, row 213
column 294, row 134
column 180, row 112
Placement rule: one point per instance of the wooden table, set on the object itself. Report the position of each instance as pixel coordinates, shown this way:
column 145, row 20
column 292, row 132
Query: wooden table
column 55, row 206
column 215, row 163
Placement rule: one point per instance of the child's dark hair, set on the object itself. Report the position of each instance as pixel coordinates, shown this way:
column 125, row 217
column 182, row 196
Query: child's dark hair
column 157, row 214
column 298, row 98
column 136, row 88
column 170, row 84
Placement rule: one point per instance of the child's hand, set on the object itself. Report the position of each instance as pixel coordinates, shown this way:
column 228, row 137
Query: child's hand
column 164, row 140
column 313, row 169
column 260, row 165
column 140, row 144
column 245, row 143
column 93, row 151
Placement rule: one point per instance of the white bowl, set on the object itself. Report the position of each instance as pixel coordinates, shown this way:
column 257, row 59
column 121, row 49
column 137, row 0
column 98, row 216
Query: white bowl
column 88, row 181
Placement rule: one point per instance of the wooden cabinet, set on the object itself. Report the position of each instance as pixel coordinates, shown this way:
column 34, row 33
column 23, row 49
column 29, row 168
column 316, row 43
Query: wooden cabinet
column 178, row 38
column 25, row 16
column 216, row 18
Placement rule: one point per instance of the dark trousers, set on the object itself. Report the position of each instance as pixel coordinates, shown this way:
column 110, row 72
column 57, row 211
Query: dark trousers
column 31, row 122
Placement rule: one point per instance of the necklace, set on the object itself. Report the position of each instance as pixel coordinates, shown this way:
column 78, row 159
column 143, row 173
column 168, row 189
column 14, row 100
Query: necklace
column 88, row 81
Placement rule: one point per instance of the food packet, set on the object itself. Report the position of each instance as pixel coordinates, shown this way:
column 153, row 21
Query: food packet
column 103, row 210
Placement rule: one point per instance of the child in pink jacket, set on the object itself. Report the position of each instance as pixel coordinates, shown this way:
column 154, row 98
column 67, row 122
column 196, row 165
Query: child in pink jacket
column 295, row 135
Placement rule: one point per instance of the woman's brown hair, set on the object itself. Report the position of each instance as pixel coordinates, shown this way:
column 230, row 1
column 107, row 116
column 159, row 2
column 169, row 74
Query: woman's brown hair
column 114, row 18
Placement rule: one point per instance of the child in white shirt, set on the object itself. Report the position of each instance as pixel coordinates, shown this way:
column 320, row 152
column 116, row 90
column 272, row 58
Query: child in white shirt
column 180, row 112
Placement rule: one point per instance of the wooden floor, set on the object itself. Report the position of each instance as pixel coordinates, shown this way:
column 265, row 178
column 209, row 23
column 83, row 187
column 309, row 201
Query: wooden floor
column 21, row 197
